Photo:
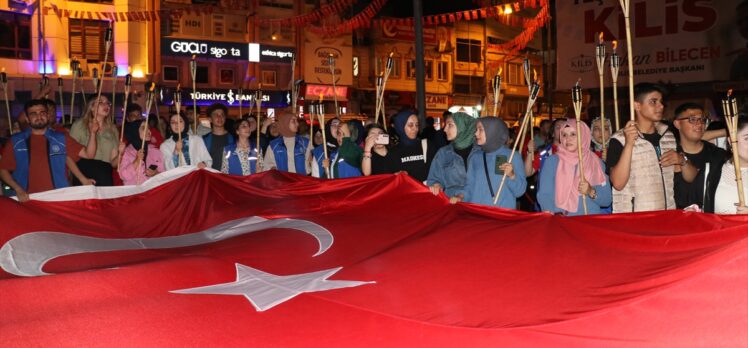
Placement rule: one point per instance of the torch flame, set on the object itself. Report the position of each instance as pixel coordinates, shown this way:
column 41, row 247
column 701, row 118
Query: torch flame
column 602, row 36
column 579, row 80
column 534, row 75
column 615, row 44
column 2, row 70
column 152, row 87
column 392, row 53
column 729, row 92
column 179, row 86
column 500, row 71
column 194, row 56
column 129, row 70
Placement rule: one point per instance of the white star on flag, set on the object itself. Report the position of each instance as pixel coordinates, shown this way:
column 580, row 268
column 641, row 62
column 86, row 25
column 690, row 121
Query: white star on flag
column 265, row 290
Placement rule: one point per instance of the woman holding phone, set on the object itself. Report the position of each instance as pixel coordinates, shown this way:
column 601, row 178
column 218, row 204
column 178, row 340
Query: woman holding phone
column 375, row 159
column 139, row 163
column 448, row 171
column 487, row 166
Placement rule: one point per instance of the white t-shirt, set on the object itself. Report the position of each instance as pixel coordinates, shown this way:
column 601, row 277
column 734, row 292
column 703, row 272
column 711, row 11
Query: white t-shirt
column 727, row 190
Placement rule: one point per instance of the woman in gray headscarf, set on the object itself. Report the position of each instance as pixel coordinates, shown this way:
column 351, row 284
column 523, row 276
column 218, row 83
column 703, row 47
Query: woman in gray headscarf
column 487, row 166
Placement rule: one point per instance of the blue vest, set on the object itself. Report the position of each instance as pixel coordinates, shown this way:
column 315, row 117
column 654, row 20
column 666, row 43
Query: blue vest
column 319, row 154
column 281, row 160
column 234, row 163
column 56, row 149
column 342, row 169
column 208, row 140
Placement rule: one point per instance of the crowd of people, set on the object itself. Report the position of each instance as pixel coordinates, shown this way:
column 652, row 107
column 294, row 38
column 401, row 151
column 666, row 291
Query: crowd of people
column 649, row 164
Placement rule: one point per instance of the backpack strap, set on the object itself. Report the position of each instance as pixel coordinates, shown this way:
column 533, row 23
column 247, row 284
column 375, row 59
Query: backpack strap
column 488, row 178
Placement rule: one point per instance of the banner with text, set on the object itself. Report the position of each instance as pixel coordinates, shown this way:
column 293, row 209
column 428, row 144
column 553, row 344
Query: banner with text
column 317, row 50
column 673, row 41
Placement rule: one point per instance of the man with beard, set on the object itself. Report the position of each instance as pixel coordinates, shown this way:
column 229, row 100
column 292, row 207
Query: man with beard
column 35, row 159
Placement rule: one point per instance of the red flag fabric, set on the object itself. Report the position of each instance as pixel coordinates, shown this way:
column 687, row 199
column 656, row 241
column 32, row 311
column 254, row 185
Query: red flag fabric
column 281, row 260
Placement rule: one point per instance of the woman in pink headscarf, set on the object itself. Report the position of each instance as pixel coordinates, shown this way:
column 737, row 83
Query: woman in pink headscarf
column 560, row 188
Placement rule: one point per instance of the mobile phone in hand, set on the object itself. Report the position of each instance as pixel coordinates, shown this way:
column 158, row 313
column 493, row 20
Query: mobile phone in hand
column 382, row 139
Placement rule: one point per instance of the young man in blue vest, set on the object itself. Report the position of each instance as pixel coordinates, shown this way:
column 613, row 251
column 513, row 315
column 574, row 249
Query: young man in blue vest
column 35, row 160
column 219, row 137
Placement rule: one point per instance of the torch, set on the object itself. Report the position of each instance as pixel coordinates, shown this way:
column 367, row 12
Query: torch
column 83, row 86
column 321, row 117
column 149, row 96
column 178, row 104
column 387, row 71
column 98, row 83
column 601, row 55
column 258, row 102
column 128, row 83
column 496, row 85
column 331, row 62
column 526, row 68
column 239, row 95
column 4, row 83
column 114, row 90
column 625, row 6
column 43, row 84
column 576, row 98
column 74, row 66
column 730, row 109
column 615, row 65
column 379, row 92
column 62, row 102
column 534, row 89
column 193, row 74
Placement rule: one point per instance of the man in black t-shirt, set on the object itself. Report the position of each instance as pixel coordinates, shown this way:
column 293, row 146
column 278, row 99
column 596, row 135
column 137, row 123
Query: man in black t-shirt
column 690, row 122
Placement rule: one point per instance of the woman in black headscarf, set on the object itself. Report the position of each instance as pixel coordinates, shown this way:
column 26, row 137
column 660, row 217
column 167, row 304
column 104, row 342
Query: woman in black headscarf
column 411, row 155
column 139, row 163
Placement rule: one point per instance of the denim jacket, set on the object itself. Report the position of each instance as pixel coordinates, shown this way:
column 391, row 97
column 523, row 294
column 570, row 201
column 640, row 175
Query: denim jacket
column 449, row 170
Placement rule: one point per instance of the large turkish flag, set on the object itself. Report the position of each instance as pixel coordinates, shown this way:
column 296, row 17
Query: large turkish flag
column 275, row 259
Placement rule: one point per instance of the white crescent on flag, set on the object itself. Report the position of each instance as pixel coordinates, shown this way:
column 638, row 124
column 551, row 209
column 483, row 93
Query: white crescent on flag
column 26, row 254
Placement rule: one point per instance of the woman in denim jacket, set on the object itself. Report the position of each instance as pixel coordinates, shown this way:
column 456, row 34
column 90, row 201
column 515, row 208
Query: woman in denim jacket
column 449, row 167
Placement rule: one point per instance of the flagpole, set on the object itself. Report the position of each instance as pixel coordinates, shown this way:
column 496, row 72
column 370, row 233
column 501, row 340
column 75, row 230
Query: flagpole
column 576, row 96
column 530, row 102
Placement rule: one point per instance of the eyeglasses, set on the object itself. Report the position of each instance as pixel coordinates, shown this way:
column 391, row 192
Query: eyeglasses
column 693, row 119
